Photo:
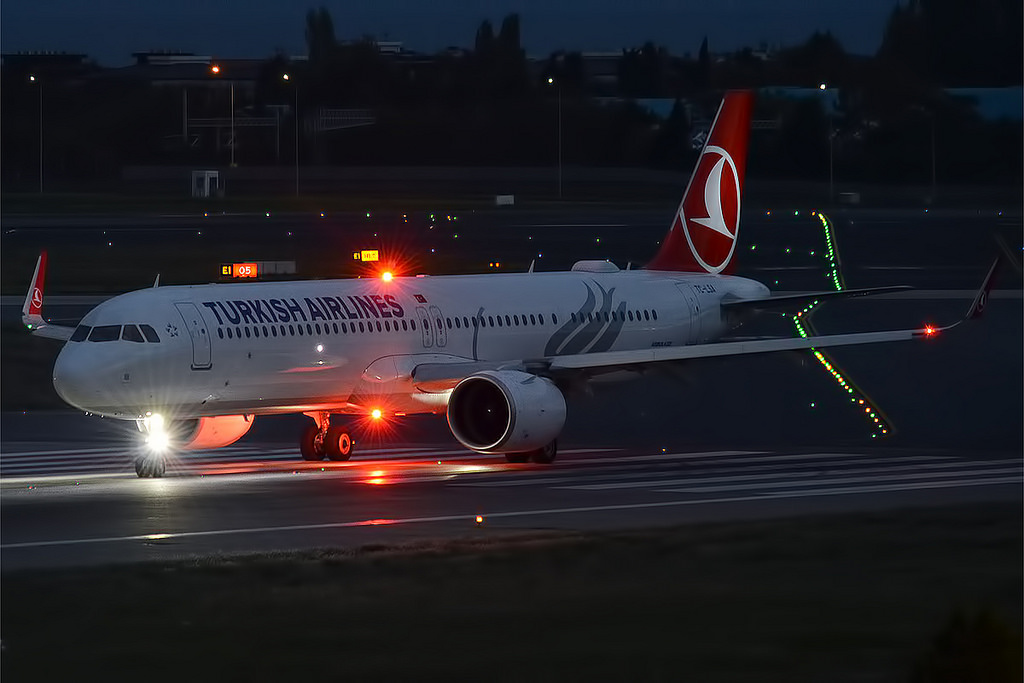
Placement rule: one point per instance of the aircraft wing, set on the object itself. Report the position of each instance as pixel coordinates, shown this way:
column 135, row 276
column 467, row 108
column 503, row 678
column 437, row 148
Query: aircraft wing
column 790, row 301
column 440, row 376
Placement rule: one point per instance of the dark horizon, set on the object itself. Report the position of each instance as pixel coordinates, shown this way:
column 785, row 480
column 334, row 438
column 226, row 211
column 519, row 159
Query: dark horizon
column 109, row 31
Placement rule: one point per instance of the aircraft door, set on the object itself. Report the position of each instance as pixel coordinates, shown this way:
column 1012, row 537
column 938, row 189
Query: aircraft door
column 693, row 306
column 196, row 326
column 428, row 336
column 441, row 334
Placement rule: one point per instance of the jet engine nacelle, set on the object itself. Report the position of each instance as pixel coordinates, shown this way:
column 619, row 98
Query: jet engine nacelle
column 505, row 411
column 210, row 432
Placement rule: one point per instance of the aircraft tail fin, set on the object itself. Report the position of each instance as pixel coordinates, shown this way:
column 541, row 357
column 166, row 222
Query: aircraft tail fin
column 705, row 229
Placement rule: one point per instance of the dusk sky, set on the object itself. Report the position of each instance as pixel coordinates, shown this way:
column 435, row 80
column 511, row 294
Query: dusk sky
column 110, row 30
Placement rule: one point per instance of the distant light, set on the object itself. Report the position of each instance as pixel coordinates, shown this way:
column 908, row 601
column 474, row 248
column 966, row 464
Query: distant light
column 215, row 69
column 376, row 413
column 321, row 214
column 386, row 276
column 268, row 214
column 479, row 520
column 285, row 76
column 822, row 86
column 550, row 80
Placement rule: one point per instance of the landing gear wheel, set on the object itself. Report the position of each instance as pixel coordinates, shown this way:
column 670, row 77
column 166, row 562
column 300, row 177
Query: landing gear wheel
column 338, row 444
column 150, row 467
column 517, row 457
column 545, row 455
column 312, row 447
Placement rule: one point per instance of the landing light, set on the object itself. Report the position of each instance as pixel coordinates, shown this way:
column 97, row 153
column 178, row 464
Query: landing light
column 386, row 276
column 376, row 413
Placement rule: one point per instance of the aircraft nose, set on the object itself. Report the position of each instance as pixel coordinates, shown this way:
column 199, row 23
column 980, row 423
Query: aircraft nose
column 73, row 380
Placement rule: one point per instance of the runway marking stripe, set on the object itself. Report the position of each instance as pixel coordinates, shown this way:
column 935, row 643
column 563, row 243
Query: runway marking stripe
column 762, row 475
column 470, row 517
column 845, row 480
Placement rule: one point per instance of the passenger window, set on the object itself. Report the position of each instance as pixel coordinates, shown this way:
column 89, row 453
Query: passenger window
column 344, row 328
column 405, row 325
column 230, row 336
column 247, row 333
column 256, row 331
column 335, row 326
column 630, row 313
column 554, row 319
column 412, row 324
column 533, row 319
column 291, row 330
column 465, row 322
column 379, row 328
column 499, row 321
column 81, row 333
column 508, row 321
column 132, row 334
column 654, row 314
column 448, row 321
column 102, row 333
column 309, row 329
column 458, row 324
column 273, row 330
column 318, row 331
column 361, row 328
column 220, row 332
column 647, row 316
column 540, row 317
column 490, row 320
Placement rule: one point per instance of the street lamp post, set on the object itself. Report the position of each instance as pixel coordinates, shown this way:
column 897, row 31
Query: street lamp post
column 215, row 70
column 831, row 174
column 287, row 77
column 551, row 81
column 38, row 82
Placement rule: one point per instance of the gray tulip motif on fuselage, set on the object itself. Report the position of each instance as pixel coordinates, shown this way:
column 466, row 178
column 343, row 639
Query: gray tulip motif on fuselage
column 594, row 329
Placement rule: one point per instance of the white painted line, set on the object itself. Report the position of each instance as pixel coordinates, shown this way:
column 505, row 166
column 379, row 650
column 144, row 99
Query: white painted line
column 846, row 480
column 469, row 517
column 910, row 469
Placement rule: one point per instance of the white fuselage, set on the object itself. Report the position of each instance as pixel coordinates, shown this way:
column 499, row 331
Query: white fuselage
column 347, row 346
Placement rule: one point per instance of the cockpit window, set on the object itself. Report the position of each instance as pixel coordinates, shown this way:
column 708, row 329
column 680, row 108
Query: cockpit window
column 80, row 333
column 131, row 333
column 102, row 333
column 151, row 335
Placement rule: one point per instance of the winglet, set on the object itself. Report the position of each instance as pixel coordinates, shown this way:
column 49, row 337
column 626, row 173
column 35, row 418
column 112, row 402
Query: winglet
column 980, row 299
column 31, row 311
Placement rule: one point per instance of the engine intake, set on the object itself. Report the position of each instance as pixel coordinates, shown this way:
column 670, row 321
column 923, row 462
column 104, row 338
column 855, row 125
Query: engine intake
column 505, row 411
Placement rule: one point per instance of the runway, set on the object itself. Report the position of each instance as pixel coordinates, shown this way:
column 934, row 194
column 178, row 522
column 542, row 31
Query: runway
column 742, row 440
column 69, row 507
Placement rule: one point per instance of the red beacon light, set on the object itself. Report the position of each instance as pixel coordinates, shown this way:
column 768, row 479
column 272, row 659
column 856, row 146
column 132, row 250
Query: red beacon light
column 930, row 331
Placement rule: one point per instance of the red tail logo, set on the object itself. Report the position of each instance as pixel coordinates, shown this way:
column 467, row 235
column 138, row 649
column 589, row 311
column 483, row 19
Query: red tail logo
column 706, row 226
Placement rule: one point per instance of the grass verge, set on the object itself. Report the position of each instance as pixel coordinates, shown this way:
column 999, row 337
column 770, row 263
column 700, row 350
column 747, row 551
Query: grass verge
column 838, row 598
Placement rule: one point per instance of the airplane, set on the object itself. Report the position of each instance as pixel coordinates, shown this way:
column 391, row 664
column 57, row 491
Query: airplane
column 495, row 353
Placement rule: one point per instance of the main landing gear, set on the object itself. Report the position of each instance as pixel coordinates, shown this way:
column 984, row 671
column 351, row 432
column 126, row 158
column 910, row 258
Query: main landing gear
column 541, row 456
column 321, row 440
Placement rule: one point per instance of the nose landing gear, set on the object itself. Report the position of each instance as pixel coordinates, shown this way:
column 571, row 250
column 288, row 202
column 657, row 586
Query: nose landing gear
column 321, row 440
column 150, row 466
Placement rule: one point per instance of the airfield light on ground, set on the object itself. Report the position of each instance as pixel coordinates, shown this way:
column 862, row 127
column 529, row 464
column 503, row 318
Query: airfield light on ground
column 803, row 326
